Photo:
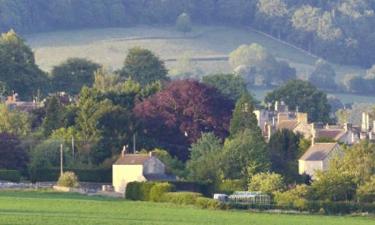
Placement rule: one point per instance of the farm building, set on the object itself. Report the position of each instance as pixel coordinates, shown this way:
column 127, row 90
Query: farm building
column 137, row 167
column 317, row 157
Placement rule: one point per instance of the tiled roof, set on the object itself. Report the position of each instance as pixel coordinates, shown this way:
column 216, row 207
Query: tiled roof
column 132, row 159
column 287, row 124
column 318, row 151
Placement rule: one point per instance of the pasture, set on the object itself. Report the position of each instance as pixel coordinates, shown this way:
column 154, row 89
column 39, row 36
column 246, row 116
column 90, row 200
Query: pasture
column 49, row 208
column 209, row 45
column 109, row 46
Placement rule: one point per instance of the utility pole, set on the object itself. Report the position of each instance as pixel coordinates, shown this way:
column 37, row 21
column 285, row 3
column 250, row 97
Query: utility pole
column 134, row 145
column 73, row 153
column 61, row 160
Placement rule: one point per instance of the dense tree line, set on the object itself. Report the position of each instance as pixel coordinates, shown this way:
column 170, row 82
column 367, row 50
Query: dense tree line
column 337, row 30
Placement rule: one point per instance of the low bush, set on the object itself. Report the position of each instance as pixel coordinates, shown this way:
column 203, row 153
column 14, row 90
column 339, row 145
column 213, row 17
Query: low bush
column 206, row 188
column 295, row 198
column 10, row 175
column 246, row 206
column 132, row 191
column 139, row 191
column 181, row 198
column 68, row 179
column 328, row 207
column 158, row 190
column 208, row 203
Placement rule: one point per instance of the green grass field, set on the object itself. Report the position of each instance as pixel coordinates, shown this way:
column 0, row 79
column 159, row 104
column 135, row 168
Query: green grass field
column 109, row 46
column 48, row 208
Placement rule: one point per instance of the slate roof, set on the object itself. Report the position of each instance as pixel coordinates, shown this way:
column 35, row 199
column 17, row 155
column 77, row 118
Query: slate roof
column 132, row 159
column 318, row 151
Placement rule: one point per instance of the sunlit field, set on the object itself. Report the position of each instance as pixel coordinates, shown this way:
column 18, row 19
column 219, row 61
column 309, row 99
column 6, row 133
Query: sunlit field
column 48, row 208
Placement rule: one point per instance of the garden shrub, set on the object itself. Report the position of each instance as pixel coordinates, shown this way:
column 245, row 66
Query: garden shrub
column 132, row 191
column 158, row 190
column 10, row 175
column 181, row 198
column 295, row 198
column 68, row 179
column 139, row 191
column 205, row 188
column 366, row 191
column 208, row 203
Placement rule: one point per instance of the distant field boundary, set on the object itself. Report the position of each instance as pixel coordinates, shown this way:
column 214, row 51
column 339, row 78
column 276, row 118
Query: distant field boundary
column 202, row 58
column 157, row 38
column 282, row 42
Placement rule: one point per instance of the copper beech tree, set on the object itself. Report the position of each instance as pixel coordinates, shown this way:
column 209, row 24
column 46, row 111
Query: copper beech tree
column 177, row 116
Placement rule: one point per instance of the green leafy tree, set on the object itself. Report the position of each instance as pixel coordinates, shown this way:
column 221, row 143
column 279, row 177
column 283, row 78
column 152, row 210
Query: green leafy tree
column 105, row 82
column 13, row 154
column 243, row 116
column 230, row 85
column 323, row 75
column 183, row 23
column 296, row 197
column 366, row 191
column 143, row 67
column 305, row 96
column 185, row 68
column 204, row 159
column 45, row 155
column 18, row 70
column 258, row 66
column 269, row 183
column 174, row 166
column 359, row 162
column 73, row 74
column 333, row 185
column 284, row 152
column 14, row 122
column 244, row 155
column 273, row 8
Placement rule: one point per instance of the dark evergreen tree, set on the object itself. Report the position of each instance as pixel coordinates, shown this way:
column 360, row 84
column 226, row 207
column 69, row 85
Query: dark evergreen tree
column 243, row 116
column 53, row 116
column 283, row 148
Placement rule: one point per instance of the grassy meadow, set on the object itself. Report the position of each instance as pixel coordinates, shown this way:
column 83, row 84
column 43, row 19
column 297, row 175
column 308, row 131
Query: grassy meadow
column 49, row 208
column 109, row 46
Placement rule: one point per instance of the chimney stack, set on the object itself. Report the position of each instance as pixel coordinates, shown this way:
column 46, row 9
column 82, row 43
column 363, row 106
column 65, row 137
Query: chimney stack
column 277, row 106
column 353, row 139
column 269, row 132
column 123, row 152
column 365, row 122
column 347, row 127
column 313, row 134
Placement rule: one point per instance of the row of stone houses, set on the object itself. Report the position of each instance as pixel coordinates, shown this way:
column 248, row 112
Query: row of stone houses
column 326, row 139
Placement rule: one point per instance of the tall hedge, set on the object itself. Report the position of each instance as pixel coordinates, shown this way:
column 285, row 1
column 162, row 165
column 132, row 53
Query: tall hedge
column 84, row 175
column 10, row 175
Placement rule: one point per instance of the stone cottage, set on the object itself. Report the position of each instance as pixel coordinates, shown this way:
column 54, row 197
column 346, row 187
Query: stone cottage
column 137, row 167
